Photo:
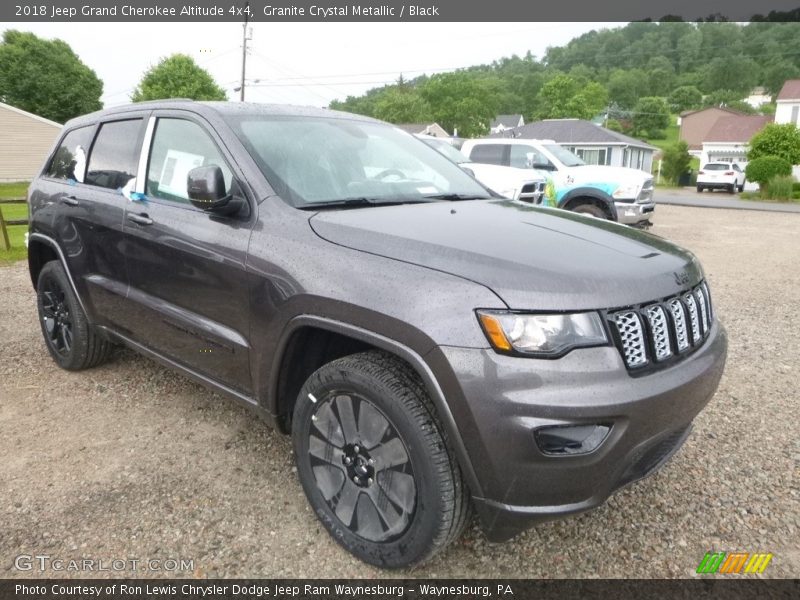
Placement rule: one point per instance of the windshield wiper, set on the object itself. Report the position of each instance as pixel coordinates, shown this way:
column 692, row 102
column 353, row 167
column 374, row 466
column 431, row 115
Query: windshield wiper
column 458, row 197
column 359, row 202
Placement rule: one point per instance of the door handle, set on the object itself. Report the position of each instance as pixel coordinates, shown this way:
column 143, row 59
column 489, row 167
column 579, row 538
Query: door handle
column 70, row 201
column 141, row 219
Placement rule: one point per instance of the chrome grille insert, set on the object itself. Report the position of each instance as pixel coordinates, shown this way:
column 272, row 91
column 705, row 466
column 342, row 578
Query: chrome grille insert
column 632, row 335
column 694, row 319
column 657, row 332
column 679, row 322
column 658, row 327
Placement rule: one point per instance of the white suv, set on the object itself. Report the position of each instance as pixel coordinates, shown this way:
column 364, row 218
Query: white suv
column 615, row 193
column 720, row 176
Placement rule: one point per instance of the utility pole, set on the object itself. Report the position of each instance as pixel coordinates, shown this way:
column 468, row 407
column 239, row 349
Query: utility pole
column 245, row 37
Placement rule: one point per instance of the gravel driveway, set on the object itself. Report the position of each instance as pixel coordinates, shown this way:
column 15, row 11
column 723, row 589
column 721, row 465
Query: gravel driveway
column 132, row 461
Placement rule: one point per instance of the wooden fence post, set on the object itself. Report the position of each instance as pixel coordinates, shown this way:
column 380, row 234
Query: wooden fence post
column 4, row 231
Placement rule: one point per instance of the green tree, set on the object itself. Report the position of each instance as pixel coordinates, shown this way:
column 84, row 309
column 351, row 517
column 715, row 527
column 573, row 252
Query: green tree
column 737, row 73
column 402, row 104
column 565, row 97
column 685, row 97
column 461, row 101
column 46, row 77
column 764, row 168
column 676, row 161
column 177, row 76
column 625, row 87
column 781, row 140
column 660, row 76
column 651, row 116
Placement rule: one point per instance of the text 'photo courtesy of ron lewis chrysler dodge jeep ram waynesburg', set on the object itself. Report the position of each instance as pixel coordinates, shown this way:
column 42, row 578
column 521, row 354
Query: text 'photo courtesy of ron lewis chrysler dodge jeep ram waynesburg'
column 432, row 348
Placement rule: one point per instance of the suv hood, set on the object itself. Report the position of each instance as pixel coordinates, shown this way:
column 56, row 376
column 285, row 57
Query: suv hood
column 533, row 258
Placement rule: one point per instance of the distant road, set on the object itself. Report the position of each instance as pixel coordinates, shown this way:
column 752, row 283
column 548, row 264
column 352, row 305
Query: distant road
column 690, row 197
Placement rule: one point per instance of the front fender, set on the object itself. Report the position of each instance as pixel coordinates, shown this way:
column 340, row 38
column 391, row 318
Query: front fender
column 572, row 198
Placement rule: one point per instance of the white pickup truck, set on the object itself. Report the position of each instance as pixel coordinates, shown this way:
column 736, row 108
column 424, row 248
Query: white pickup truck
column 616, row 193
column 517, row 184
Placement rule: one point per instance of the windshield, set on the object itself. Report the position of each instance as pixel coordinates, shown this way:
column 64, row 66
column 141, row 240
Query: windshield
column 447, row 150
column 317, row 161
column 564, row 155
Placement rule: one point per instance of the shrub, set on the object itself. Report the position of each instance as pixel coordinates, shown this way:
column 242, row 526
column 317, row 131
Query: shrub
column 676, row 161
column 779, row 188
column 762, row 170
column 775, row 139
column 796, row 186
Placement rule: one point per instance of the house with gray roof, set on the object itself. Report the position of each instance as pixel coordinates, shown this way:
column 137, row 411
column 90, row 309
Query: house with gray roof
column 432, row 129
column 595, row 144
column 504, row 122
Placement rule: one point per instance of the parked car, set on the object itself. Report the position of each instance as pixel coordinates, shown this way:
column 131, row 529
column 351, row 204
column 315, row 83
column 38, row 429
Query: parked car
column 430, row 347
column 518, row 184
column 614, row 193
column 721, row 175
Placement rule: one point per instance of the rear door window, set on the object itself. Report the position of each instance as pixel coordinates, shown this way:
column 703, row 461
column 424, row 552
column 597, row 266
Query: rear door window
column 69, row 161
column 490, row 154
column 115, row 154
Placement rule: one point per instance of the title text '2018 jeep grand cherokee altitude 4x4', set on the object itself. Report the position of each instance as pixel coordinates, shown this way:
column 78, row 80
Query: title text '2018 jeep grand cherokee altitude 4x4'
column 430, row 347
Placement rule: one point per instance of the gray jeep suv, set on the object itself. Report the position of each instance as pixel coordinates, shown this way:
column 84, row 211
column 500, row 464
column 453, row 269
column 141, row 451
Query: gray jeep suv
column 430, row 347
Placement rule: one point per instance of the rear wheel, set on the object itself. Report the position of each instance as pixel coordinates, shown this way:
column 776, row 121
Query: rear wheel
column 374, row 463
column 741, row 187
column 71, row 341
column 732, row 188
column 590, row 209
column 700, row 189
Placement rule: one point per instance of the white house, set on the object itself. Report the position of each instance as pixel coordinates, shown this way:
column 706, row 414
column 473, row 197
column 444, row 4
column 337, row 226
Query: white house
column 505, row 122
column 788, row 104
column 757, row 97
column 788, row 108
column 25, row 141
column 729, row 137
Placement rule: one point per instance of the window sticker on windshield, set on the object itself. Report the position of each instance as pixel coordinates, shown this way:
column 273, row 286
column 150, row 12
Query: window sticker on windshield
column 427, row 190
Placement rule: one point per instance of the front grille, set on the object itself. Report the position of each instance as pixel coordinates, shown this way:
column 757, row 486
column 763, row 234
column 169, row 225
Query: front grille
column 532, row 192
column 657, row 332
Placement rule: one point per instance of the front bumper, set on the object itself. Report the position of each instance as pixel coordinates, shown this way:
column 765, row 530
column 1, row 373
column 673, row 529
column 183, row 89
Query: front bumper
column 634, row 213
column 499, row 401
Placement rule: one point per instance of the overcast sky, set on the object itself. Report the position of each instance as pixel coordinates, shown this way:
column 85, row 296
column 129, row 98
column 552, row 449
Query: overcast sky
column 300, row 63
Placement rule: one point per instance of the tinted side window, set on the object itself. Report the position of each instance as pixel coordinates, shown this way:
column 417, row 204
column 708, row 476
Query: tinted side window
column 178, row 147
column 69, row 161
column 527, row 157
column 114, row 157
column 491, row 154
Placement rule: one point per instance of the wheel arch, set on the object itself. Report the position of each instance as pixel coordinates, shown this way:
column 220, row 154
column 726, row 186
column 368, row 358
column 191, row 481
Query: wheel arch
column 43, row 249
column 337, row 339
column 583, row 195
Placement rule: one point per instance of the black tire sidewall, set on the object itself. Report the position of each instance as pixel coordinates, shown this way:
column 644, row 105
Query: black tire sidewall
column 76, row 357
column 415, row 543
column 591, row 210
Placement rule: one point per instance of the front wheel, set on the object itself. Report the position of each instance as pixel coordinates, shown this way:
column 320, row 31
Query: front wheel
column 590, row 209
column 373, row 460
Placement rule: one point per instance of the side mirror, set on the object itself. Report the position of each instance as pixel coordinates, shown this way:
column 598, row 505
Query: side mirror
column 205, row 187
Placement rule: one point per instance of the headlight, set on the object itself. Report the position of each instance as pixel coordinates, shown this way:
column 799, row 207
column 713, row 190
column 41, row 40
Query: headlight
column 542, row 335
column 630, row 190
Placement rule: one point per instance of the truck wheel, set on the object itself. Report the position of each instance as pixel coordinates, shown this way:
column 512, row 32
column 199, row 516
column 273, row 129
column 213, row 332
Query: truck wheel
column 590, row 209
column 71, row 341
column 732, row 188
column 373, row 460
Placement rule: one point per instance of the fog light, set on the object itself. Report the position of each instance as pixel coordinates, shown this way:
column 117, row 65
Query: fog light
column 569, row 440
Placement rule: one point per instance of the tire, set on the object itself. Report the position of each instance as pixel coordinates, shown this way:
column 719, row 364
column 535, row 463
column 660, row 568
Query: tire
column 590, row 209
column 69, row 338
column 741, row 187
column 699, row 189
column 732, row 188
column 382, row 480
